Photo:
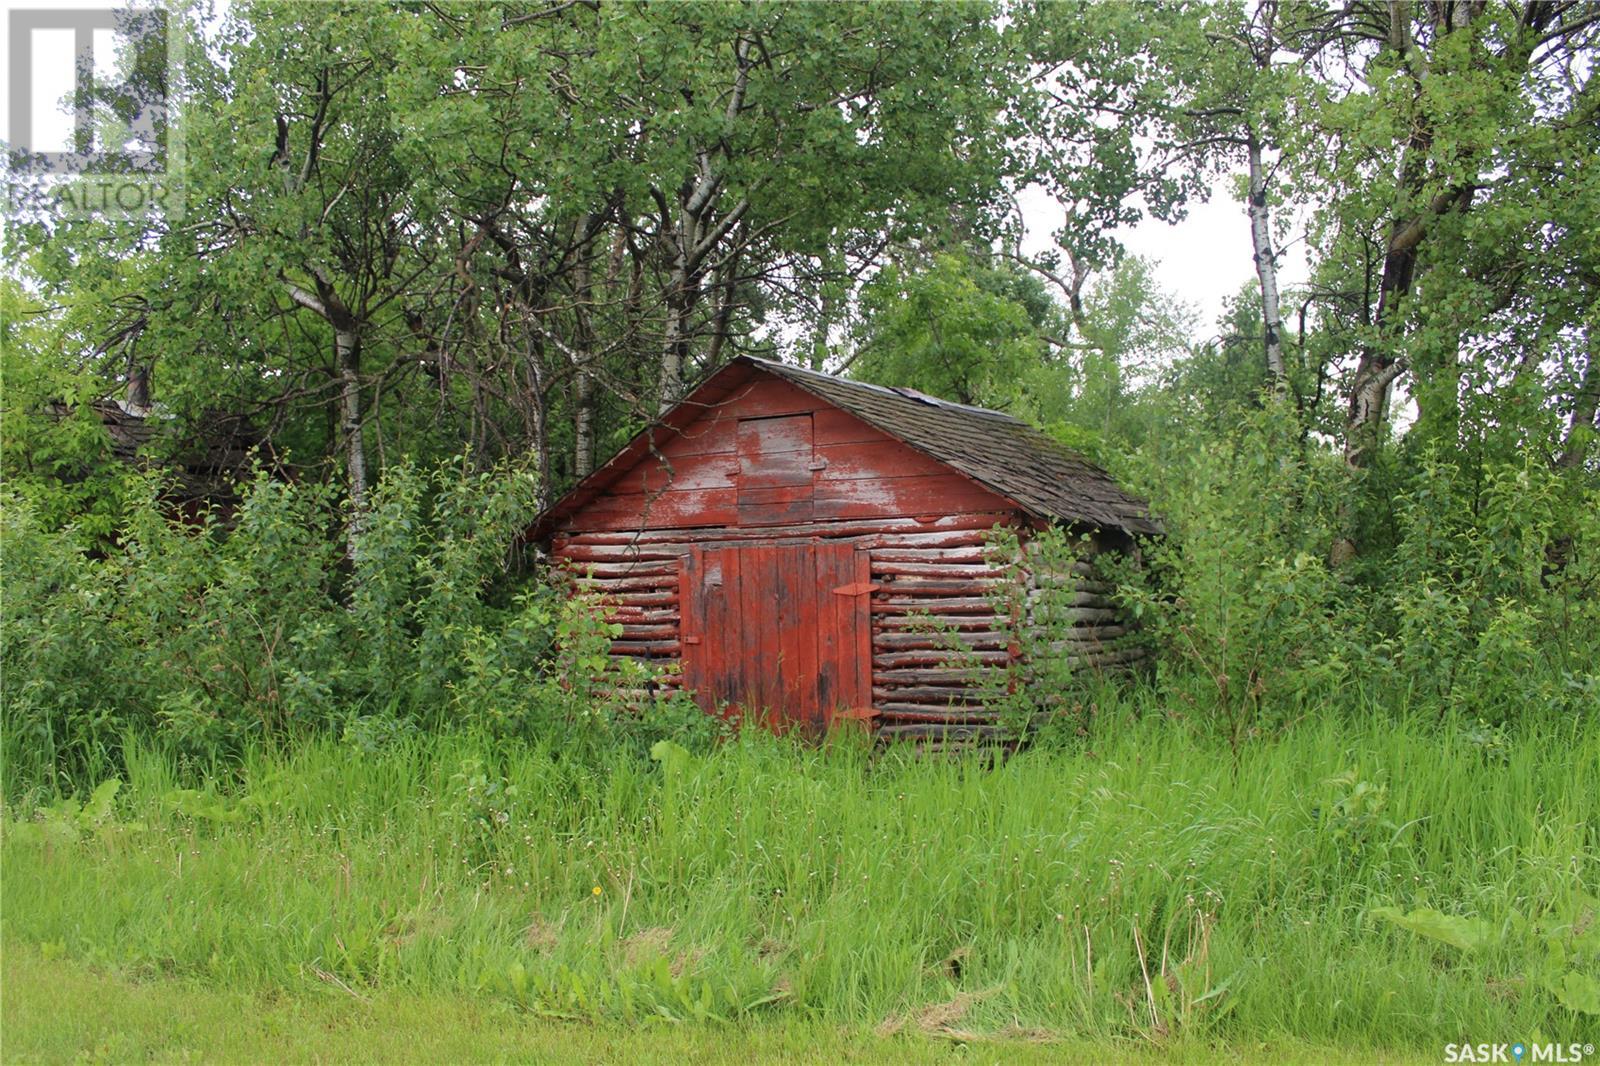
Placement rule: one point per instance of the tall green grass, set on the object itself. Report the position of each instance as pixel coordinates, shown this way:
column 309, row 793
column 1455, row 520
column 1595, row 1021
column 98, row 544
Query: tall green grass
column 1145, row 884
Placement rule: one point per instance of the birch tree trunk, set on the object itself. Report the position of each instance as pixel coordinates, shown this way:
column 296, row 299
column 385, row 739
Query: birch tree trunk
column 583, row 424
column 674, row 340
column 583, row 380
column 1266, row 261
column 139, row 389
column 698, row 231
column 347, row 353
column 722, row 316
column 1378, row 364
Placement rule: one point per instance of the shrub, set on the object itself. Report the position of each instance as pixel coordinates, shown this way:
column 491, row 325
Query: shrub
column 217, row 636
column 1489, row 605
column 1250, row 622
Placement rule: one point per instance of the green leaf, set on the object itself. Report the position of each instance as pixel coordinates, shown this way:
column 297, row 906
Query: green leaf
column 98, row 809
column 672, row 756
column 1468, row 934
column 1579, row 992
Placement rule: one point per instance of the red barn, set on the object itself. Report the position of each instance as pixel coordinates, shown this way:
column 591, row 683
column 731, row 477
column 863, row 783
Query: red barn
column 782, row 536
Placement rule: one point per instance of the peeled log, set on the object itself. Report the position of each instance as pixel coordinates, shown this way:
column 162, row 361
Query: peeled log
column 640, row 616
column 919, row 676
column 639, row 568
column 958, row 586
column 986, row 639
column 1098, row 660
column 910, row 712
column 952, row 605
column 1079, row 584
column 910, row 621
column 891, row 659
column 619, row 553
column 1111, row 658
column 1079, row 566
column 629, row 584
column 1042, row 599
column 923, row 694
column 1077, row 614
column 652, row 632
column 1092, row 636
column 934, row 570
column 977, row 554
column 637, row 648
column 642, row 599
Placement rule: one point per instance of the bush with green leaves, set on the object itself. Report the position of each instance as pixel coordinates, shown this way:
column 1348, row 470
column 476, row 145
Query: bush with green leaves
column 1052, row 688
column 1250, row 623
column 55, row 451
column 1485, row 606
column 1491, row 602
column 219, row 636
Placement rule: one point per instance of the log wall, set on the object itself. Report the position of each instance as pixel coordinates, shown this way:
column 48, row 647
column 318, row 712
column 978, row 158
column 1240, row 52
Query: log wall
column 951, row 621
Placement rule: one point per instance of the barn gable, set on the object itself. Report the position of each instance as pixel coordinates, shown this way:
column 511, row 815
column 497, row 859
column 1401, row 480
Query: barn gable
column 779, row 541
column 750, row 448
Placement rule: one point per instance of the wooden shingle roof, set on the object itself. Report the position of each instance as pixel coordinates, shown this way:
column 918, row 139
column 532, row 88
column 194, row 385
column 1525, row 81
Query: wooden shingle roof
column 1003, row 453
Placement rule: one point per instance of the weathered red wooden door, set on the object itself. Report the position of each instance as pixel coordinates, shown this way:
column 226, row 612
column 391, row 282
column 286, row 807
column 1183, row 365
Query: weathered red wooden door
column 779, row 631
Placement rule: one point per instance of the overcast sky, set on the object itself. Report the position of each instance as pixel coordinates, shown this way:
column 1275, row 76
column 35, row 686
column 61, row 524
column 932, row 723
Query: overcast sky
column 1201, row 261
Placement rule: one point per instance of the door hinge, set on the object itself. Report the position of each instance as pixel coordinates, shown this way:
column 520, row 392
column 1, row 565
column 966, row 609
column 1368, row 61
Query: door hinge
column 856, row 714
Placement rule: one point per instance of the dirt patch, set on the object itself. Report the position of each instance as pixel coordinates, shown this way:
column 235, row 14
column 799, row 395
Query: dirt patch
column 686, row 960
column 646, row 944
column 540, row 935
column 939, row 1017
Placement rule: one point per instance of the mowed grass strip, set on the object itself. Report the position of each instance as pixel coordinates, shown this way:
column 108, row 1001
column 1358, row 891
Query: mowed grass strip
column 54, row 1011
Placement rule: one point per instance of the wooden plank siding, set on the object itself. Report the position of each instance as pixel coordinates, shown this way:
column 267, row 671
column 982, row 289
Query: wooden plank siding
column 816, row 523
column 702, row 477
